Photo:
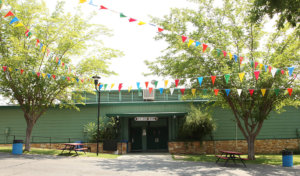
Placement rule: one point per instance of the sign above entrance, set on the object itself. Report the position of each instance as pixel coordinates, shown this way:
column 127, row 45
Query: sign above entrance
column 146, row 118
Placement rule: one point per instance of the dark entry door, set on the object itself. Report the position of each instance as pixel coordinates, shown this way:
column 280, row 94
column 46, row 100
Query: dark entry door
column 136, row 138
column 157, row 138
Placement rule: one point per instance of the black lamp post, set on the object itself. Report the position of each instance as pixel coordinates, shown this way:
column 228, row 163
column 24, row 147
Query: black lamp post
column 96, row 80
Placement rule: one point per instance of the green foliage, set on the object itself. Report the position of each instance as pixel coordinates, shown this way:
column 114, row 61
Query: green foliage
column 196, row 125
column 108, row 129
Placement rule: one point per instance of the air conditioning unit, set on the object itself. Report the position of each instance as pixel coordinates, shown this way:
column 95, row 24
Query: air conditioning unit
column 147, row 96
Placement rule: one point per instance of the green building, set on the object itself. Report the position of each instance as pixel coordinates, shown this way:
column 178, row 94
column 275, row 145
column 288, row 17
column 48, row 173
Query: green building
column 148, row 122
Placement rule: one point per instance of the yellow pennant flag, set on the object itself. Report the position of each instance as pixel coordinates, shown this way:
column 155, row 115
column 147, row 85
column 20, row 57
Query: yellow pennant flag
column 73, row 79
column 190, row 42
column 193, row 92
column 241, row 75
column 263, row 91
column 44, row 48
column 166, row 83
column 112, row 85
column 19, row 24
column 230, row 56
column 10, row 69
column 82, row 1
column 260, row 66
column 141, row 23
column 129, row 88
column 43, row 74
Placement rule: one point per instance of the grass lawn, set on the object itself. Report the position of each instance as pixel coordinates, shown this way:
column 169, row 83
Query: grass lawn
column 260, row 159
column 58, row 152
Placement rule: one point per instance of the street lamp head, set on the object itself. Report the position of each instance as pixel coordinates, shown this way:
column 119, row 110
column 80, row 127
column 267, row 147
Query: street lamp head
column 96, row 80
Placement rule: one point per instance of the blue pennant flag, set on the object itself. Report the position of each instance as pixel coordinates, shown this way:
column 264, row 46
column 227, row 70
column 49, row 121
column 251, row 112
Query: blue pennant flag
column 227, row 91
column 48, row 75
column 161, row 90
column 59, row 64
column 15, row 19
column 235, row 57
column 291, row 69
column 91, row 3
column 100, row 87
column 77, row 79
column 63, row 77
column 138, row 85
column 41, row 45
column 200, row 79
column 17, row 69
column 266, row 68
column 197, row 43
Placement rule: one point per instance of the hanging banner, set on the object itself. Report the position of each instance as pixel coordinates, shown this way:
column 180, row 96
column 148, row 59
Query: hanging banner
column 171, row 91
column 194, row 92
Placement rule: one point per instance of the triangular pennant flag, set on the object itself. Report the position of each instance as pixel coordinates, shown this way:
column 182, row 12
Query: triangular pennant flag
column 194, row 92
column 176, row 82
column 138, row 85
column 129, row 88
column 41, row 45
column 263, row 91
column 255, row 65
column 235, row 58
column 256, row 73
column 230, row 56
column 161, row 90
column 150, row 90
column 10, row 69
column 273, row 72
column 48, row 75
column 183, row 38
column 57, row 59
column 105, row 86
column 252, row 64
column 204, row 91
column 100, row 86
column 216, row 91
column 91, row 3
column 166, row 83
column 82, row 1
column 251, row 91
column 19, row 24
column 44, row 48
column 17, row 69
column 241, row 75
column 68, row 78
column 23, row 71
column 224, row 53
column 122, row 15
column 219, row 52
column 63, row 77
column 37, row 42
column 120, row 86
column 15, row 19
column 261, row 66
column 4, row 68
column 204, row 47
column 155, row 83
column 291, row 69
column 78, row 81
column 190, row 42
column 9, row 14
column 102, row 7
column 171, row 91
column 270, row 68
column 28, row 34
column 182, row 90
column 197, row 43
column 43, row 74
column 141, row 23
column 160, row 29
column 276, row 91
column 266, row 68
column 112, row 85
column 213, row 78
column 131, row 20
column 282, row 72
column 239, row 91
column 227, row 91
column 290, row 90
column 241, row 59
column 227, row 76
column 38, row 74
column 200, row 79
column 146, row 84
column 33, row 72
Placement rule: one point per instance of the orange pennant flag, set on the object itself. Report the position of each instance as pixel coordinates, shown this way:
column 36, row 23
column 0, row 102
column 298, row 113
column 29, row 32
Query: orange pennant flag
column 150, row 90
column 9, row 14
column 290, row 90
column 213, row 78
column 146, row 84
column 204, row 47
column 216, row 91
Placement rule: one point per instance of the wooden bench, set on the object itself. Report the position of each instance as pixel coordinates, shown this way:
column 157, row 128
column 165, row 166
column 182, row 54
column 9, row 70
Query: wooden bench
column 221, row 157
column 81, row 149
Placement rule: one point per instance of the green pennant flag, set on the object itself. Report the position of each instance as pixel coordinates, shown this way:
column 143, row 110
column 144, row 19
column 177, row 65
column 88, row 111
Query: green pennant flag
column 66, row 67
column 33, row 72
column 204, row 91
column 105, row 85
column 219, row 52
column 252, row 64
column 29, row 34
column 227, row 76
column 276, row 91
column 155, row 83
column 278, row 71
column 122, row 15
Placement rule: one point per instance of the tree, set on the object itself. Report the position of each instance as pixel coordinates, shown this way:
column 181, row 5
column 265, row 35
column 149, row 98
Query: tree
column 37, row 72
column 228, row 28
column 288, row 11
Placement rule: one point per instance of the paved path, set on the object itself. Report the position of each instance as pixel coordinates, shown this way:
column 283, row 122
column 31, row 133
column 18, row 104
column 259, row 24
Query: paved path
column 132, row 164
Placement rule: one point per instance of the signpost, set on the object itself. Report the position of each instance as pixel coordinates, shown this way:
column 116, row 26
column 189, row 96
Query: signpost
column 146, row 118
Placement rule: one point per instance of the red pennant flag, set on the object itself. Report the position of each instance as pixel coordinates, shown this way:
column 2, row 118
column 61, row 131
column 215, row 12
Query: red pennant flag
column 82, row 80
column 251, row 91
column 224, row 53
column 282, row 72
column 216, row 91
column 176, row 82
column 183, row 38
column 120, row 86
column 9, row 14
column 241, row 59
column 62, row 64
column 270, row 68
column 68, row 78
column 160, row 29
column 102, row 7
column 256, row 73
column 255, row 65
column 150, row 90
column 37, row 42
column 204, row 47
column 57, row 59
column 53, row 76
column 21, row 71
column 38, row 74
column 213, row 78
column 132, row 20
column 4, row 68
column 146, row 83
column 290, row 90
column 182, row 90
column 48, row 51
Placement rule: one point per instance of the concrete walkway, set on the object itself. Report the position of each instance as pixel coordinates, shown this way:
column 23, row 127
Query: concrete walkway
column 131, row 164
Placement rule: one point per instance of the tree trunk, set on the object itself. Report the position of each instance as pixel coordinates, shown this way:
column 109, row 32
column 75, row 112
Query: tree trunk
column 30, row 124
column 251, row 151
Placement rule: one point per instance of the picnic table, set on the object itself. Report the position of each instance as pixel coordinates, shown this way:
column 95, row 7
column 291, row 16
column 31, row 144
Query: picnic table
column 74, row 147
column 231, row 155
